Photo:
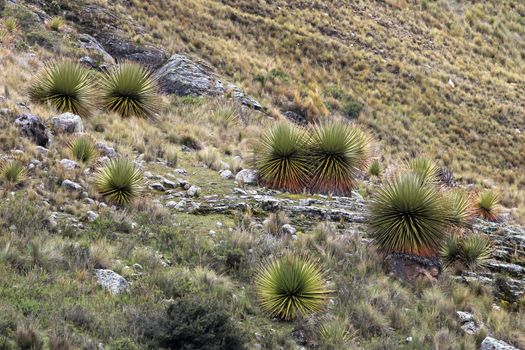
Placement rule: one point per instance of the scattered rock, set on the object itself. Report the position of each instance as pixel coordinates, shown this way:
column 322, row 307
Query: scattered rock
column 468, row 324
column 227, row 174
column 181, row 171
column 105, row 150
column 490, row 343
column 171, row 204
column 157, row 186
column 247, row 177
column 288, row 229
column 71, row 186
column 69, row 164
column 41, row 150
column 169, row 184
column 193, row 191
column 112, row 281
column 89, row 43
column 67, row 123
column 91, row 216
column 31, row 126
column 296, row 117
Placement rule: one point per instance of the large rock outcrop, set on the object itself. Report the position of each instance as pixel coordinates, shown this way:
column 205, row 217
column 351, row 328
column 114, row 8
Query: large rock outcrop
column 32, row 127
column 182, row 76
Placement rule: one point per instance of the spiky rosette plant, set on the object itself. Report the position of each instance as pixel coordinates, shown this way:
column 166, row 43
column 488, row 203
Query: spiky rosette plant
column 450, row 252
column 408, row 217
column 475, row 250
column 120, row 181
column 291, row 286
column 487, row 206
column 338, row 151
column 460, row 208
column 425, row 168
column 65, row 85
column 82, row 148
column 130, row 90
column 12, row 172
column 281, row 159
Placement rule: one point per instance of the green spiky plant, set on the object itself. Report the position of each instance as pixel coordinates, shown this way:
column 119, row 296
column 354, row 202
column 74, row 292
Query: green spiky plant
column 65, row 85
column 425, row 168
column 460, row 208
column 12, row 172
column 487, row 206
column 82, row 148
column 281, row 160
column 120, row 181
column 408, row 217
column 130, row 90
column 334, row 335
column 338, row 151
column 375, row 168
column 450, row 252
column 475, row 251
column 291, row 286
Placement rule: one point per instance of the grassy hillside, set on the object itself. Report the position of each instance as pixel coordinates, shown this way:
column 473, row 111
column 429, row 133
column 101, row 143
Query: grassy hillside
column 441, row 78
column 445, row 78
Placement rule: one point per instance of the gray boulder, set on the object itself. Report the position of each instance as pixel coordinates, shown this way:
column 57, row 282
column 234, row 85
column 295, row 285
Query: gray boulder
column 69, row 164
column 227, row 174
column 193, row 191
column 67, row 123
column 89, row 43
column 71, row 186
column 32, row 127
column 490, row 343
column 111, row 281
column 183, row 77
column 105, row 150
column 246, row 176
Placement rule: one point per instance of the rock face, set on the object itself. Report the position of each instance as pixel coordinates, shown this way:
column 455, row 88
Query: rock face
column 31, row 126
column 468, row 323
column 411, row 268
column 183, row 77
column 494, row 344
column 91, row 44
column 122, row 49
column 112, row 281
column 67, row 123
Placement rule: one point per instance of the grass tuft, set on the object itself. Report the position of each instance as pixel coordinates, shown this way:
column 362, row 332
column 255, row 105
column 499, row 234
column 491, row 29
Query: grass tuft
column 13, row 172
column 487, row 206
column 82, row 149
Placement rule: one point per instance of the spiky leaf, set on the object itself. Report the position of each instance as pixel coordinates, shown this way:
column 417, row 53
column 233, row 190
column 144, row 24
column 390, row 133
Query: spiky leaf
column 130, row 90
column 338, row 152
column 291, row 286
column 408, row 217
column 119, row 181
column 13, row 172
column 82, row 148
column 67, row 86
column 475, row 251
column 487, row 206
column 281, row 159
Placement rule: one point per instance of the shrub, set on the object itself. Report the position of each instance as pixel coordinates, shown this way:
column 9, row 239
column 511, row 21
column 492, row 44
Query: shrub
column 119, row 181
column 425, row 168
column 338, row 152
column 450, row 252
column 12, row 172
column 487, row 206
column 130, row 90
column 408, row 217
column 281, row 158
column 334, row 335
column 82, row 148
column 291, row 286
column 475, row 251
column 67, row 86
column 192, row 323
column 352, row 108
column 460, row 208
column 375, row 168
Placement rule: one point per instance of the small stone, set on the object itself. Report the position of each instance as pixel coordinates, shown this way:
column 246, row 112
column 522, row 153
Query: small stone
column 112, row 281
column 181, row 171
column 169, row 183
column 490, row 343
column 71, row 186
column 69, row 164
column 67, row 123
column 148, row 174
column 227, row 174
column 91, row 216
column 157, row 186
column 105, row 150
column 246, row 176
column 240, row 191
column 193, row 191
column 41, row 150
column 218, row 224
column 288, row 229
column 171, row 204
column 212, row 233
